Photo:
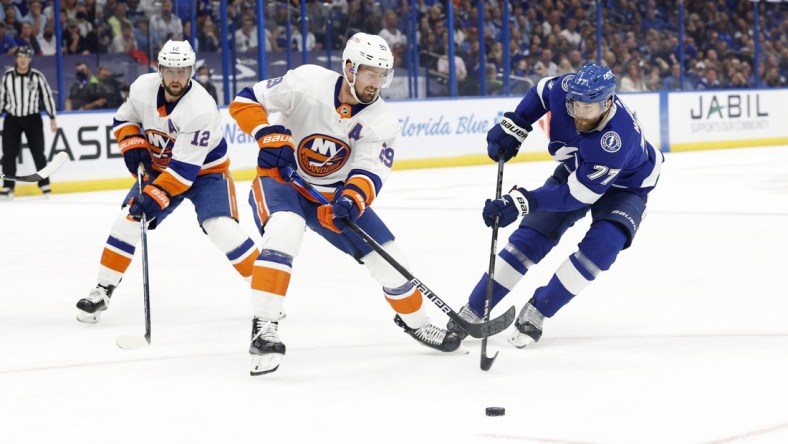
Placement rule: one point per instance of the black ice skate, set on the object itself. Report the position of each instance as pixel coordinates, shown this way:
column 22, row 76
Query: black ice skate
column 467, row 314
column 431, row 336
column 89, row 309
column 528, row 326
column 266, row 349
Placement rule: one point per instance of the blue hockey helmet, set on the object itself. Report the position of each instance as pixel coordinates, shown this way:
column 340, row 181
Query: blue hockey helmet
column 591, row 84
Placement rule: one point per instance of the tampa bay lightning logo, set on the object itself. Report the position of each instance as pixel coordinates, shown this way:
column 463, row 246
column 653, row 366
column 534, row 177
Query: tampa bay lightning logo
column 611, row 142
column 565, row 82
column 560, row 151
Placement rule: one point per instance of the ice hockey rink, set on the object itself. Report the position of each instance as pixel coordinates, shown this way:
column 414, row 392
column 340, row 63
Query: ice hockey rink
column 684, row 340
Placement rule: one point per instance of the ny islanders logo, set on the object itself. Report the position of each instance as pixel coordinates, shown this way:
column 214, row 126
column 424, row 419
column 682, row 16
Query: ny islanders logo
column 321, row 155
column 160, row 146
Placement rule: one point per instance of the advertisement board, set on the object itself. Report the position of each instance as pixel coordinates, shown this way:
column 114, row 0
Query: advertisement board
column 442, row 132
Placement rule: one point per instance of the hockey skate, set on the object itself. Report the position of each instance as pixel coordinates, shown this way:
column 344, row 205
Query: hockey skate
column 266, row 349
column 89, row 309
column 467, row 314
column 431, row 336
column 528, row 326
column 6, row 194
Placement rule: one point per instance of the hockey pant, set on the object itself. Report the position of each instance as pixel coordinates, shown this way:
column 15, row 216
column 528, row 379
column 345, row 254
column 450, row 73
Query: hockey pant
column 282, row 215
column 213, row 196
column 616, row 218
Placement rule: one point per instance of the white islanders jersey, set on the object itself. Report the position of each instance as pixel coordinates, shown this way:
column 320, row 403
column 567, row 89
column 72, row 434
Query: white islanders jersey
column 335, row 142
column 185, row 138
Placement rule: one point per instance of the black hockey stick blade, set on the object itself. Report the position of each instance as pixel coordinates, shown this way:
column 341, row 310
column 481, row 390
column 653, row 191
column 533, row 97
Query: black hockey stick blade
column 487, row 361
column 489, row 328
column 57, row 161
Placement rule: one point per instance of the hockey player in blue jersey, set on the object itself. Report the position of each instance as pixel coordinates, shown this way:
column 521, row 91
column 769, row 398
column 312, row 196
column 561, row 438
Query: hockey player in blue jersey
column 605, row 165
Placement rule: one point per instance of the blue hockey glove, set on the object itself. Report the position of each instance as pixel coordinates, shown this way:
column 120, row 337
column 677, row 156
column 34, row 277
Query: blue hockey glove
column 508, row 208
column 506, row 137
column 276, row 158
column 135, row 151
column 345, row 206
column 151, row 201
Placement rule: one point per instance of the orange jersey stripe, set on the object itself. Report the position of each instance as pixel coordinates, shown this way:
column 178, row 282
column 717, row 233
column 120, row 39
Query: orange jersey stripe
column 409, row 304
column 170, row 184
column 128, row 130
column 270, row 280
column 115, row 261
column 248, row 115
column 259, row 199
column 231, row 194
column 364, row 185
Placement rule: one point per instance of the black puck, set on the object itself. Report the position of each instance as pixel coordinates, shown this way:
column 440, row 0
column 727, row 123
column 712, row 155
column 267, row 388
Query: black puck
column 495, row 411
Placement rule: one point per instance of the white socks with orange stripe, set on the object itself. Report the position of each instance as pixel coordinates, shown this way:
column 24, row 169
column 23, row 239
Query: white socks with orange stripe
column 407, row 301
column 119, row 249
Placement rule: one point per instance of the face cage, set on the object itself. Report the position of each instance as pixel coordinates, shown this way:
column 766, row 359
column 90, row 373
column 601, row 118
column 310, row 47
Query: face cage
column 587, row 115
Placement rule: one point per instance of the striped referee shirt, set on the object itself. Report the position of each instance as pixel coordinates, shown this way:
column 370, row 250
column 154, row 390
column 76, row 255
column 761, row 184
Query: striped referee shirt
column 22, row 94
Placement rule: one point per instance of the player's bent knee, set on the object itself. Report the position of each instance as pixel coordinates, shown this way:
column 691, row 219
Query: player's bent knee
column 531, row 243
column 284, row 232
column 224, row 232
column 602, row 243
column 382, row 271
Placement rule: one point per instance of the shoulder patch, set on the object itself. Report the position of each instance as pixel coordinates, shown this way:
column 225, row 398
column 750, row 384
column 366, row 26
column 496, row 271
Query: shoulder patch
column 611, row 142
column 565, row 82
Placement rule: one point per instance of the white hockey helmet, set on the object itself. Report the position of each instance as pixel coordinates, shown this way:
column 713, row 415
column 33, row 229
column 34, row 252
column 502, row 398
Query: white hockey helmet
column 370, row 50
column 177, row 54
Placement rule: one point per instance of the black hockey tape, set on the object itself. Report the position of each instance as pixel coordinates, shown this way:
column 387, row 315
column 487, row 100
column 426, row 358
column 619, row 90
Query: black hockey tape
column 495, row 411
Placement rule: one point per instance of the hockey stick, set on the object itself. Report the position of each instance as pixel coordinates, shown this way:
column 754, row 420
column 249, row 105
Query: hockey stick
column 57, row 162
column 487, row 361
column 477, row 330
column 130, row 342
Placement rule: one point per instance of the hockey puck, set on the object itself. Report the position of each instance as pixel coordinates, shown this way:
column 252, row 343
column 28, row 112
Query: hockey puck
column 495, row 411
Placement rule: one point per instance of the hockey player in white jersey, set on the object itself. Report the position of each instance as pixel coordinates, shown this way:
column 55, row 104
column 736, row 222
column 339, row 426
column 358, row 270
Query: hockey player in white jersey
column 339, row 136
column 171, row 125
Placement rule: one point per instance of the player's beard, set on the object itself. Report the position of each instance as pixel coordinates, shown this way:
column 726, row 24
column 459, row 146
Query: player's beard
column 171, row 92
column 365, row 95
column 586, row 126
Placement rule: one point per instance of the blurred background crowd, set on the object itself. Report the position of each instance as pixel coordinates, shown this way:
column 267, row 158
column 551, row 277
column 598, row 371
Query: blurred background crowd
column 640, row 39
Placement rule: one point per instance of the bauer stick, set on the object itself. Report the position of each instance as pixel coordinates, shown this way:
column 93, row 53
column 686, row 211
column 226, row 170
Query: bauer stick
column 57, row 162
column 477, row 330
column 487, row 361
column 130, row 342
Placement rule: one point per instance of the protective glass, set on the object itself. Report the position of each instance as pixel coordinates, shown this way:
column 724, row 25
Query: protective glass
column 585, row 111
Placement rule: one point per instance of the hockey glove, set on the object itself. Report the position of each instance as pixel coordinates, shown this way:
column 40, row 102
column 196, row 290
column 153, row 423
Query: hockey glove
column 135, row 151
column 506, row 137
column 276, row 158
column 151, row 202
column 344, row 206
column 508, row 208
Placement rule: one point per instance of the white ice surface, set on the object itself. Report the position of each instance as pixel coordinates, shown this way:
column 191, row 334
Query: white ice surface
column 684, row 340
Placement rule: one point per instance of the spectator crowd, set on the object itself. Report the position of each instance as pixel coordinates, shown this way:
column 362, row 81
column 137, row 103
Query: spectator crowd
column 640, row 38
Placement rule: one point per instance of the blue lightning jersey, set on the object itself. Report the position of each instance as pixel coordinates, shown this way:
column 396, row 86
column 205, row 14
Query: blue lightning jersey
column 614, row 154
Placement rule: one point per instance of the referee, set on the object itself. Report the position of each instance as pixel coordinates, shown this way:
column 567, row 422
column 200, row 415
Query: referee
column 22, row 89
